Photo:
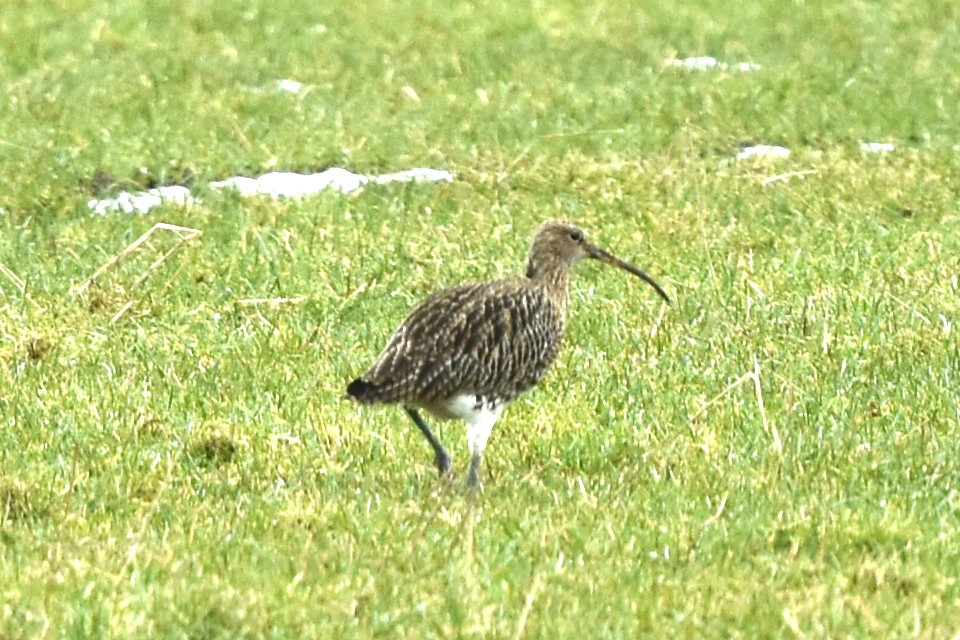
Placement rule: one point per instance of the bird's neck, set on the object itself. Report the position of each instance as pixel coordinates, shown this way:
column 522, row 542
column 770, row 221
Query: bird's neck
column 553, row 277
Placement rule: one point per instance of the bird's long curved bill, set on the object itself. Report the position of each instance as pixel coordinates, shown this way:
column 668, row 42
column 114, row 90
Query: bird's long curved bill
column 608, row 258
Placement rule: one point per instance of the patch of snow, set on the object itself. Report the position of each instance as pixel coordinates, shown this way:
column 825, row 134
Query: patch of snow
column 276, row 184
column 142, row 202
column 418, row 174
column 290, row 185
column 289, row 86
column 705, row 63
column 876, row 147
column 763, row 151
column 696, row 63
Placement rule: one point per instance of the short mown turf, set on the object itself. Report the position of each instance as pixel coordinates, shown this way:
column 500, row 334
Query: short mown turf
column 776, row 455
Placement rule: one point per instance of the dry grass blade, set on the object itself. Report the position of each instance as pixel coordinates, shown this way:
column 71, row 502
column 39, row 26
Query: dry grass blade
column 528, row 605
column 275, row 301
column 787, row 176
column 185, row 234
column 768, row 427
column 159, row 261
column 14, row 278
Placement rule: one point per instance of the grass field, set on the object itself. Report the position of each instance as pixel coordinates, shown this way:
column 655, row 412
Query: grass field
column 776, row 455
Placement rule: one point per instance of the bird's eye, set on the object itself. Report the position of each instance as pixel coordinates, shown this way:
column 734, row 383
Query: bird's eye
column 576, row 236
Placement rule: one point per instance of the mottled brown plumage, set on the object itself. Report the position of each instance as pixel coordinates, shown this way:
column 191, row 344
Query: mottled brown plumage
column 466, row 351
column 492, row 339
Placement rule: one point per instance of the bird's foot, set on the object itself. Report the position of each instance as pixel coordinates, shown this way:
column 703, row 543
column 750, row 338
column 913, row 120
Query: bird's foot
column 442, row 459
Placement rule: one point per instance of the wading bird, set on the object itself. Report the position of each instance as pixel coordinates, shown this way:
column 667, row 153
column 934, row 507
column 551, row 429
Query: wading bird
column 465, row 352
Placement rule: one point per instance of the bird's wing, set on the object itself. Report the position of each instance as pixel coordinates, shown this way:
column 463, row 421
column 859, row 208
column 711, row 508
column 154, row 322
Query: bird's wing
column 493, row 339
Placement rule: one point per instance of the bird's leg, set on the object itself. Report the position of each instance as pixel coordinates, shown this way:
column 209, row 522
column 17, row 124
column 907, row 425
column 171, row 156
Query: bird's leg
column 440, row 456
column 473, row 475
column 478, row 431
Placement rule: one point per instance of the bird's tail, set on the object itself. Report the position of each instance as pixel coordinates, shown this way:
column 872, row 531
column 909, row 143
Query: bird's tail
column 362, row 391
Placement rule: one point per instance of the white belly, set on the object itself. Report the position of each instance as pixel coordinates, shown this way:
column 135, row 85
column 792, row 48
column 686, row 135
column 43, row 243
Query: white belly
column 464, row 407
column 480, row 414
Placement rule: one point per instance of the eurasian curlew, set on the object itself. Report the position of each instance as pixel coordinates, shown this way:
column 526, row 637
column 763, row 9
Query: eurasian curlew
column 465, row 352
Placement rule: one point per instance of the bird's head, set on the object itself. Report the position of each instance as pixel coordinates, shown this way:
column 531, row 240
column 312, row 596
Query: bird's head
column 557, row 246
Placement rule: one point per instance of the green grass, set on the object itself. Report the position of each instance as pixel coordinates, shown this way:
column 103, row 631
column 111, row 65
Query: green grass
column 189, row 469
